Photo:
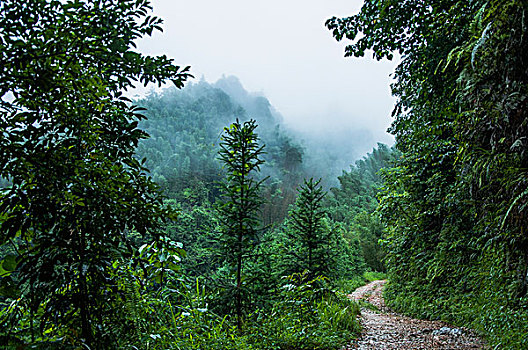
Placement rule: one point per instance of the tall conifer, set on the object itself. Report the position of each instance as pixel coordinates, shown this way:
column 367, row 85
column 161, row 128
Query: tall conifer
column 239, row 209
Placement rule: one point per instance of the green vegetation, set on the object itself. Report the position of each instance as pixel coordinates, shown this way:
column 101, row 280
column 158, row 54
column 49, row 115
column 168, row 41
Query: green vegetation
column 309, row 241
column 238, row 209
column 175, row 118
column 93, row 255
column 354, row 204
column 75, row 190
column 455, row 204
column 272, row 253
column 212, row 233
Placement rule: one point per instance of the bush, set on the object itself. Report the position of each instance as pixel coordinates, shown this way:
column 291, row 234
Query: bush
column 371, row 276
column 488, row 312
column 351, row 284
column 308, row 315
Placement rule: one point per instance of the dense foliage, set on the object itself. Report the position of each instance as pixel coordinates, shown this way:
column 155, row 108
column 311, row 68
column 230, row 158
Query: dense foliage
column 354, row 203
column 455, row 205
column 243, row 253
column 310, row 241
column 238, row 209
column 74, row 188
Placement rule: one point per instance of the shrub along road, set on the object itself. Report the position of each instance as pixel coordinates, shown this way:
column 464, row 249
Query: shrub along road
column 386, row 330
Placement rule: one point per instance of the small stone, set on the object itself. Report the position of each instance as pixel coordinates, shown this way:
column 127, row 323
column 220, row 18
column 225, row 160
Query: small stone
column 442, row 331
column 456, row 332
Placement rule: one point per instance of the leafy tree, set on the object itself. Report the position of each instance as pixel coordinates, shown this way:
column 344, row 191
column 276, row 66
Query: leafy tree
column 67, row 147
column 455, row 205
column 239, row 210
column 197, row 229
column 368, row 229
column 354, row 203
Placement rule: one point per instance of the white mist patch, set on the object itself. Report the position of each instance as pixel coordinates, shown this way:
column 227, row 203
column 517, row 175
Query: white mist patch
column 283, row 49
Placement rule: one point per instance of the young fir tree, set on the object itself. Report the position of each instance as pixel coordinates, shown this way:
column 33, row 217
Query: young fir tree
column 308, row 235
column 239, row 209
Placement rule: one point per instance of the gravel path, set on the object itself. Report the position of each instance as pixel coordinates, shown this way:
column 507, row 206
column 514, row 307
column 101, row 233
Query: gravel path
column 386, row 330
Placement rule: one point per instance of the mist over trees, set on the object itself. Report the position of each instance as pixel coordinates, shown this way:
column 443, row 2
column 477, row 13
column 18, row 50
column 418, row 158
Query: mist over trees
column 185, row 127
column 186, row 130
column 115, row 230
column 195, row 218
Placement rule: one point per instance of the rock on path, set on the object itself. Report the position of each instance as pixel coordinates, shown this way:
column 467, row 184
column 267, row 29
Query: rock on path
column 386, row 330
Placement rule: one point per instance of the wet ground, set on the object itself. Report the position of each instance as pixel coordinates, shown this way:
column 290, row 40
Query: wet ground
column 386, row 330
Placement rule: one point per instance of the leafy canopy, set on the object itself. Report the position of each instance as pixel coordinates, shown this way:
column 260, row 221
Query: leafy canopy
column 455, row 206
column 67, row 151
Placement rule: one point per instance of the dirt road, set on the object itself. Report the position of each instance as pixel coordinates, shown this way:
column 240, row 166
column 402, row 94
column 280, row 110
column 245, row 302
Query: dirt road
column 386, row 330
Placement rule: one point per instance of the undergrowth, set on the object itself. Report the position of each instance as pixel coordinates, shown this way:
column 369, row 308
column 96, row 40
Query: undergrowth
column 305, row 315
column 504, row 326
column 347, row 286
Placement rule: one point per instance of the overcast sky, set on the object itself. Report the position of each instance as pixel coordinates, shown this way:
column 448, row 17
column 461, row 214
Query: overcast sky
column 280, row 48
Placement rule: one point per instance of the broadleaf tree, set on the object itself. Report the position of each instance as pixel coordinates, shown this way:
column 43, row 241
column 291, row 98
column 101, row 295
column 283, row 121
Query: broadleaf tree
column 455, row 205
column 67, row 152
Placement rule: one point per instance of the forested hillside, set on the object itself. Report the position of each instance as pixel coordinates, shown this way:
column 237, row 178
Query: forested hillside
column 194, row 218
column 187, row 219
column 455, row 204
column 185, row 128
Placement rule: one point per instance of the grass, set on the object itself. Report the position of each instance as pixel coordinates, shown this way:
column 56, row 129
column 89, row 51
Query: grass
column 349, row 285
column 371, row 276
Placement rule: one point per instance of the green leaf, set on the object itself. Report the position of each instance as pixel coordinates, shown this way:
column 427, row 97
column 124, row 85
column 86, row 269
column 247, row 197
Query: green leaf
column 9, row 263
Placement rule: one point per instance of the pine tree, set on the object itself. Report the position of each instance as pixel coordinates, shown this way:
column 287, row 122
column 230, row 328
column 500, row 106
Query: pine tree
column 308, row 235
column 239, row 209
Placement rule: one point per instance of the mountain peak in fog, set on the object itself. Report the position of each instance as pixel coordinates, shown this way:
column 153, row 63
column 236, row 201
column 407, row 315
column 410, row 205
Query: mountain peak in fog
column 232, row 86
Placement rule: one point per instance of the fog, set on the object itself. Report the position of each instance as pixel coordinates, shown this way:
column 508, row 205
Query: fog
column 281, row 49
